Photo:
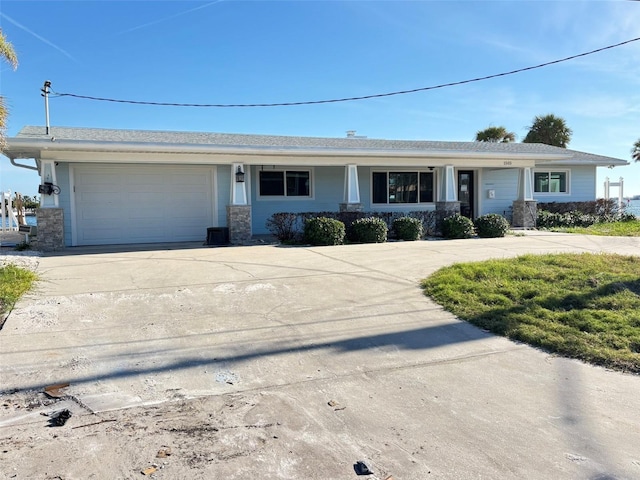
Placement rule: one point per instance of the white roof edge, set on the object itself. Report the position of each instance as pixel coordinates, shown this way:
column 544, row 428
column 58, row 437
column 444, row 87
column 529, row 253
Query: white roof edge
column 19, row 144
column 586, row 161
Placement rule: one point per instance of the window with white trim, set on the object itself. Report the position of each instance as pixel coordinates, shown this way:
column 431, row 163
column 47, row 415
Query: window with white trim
column 285, row 183
column 551, row 181
column 402, row 187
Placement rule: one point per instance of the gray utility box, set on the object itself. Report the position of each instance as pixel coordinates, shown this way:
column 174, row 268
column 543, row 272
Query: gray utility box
column 217, row 236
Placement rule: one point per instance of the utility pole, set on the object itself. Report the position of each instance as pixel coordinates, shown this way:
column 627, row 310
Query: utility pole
column 45, row 93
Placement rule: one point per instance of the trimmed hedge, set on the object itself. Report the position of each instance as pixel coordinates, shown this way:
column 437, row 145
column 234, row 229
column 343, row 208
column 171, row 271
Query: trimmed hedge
column 600, row 207
column 369, row 230
column 491, row 225
column 289, row 227
column 408, row 228
column 324, row 231
column 457, row 226
column 546, row 219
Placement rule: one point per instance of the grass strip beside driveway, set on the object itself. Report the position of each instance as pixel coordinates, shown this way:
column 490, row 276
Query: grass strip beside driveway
column 584, row 306
column 614, row 229
column 14, row 282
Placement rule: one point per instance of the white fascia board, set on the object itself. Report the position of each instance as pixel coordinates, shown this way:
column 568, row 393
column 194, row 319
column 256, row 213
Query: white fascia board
column 47, row 147
column 591, row 162
column 288, row 160
column 135, row 157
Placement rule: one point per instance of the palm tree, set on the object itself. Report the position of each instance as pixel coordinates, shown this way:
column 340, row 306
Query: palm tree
column 550, row 130
column 495, row 135
column 9, row 55
column 635, row 151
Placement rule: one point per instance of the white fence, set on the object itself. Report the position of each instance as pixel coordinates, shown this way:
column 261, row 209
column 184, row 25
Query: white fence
column 607, row 186
column 11, row 218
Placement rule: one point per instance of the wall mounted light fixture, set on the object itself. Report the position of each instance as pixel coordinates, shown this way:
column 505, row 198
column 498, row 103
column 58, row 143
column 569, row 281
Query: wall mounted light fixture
column 239, row 175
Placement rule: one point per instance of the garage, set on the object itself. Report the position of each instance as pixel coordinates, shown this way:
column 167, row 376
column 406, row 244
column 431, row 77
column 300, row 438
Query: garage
column 124, row 204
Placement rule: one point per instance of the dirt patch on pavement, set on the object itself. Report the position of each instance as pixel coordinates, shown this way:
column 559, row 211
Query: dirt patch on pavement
column 252, row 435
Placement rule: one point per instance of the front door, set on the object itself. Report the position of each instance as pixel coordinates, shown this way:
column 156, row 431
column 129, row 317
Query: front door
column 466, row 194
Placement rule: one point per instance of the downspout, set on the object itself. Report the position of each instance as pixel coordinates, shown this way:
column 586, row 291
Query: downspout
column 28, row 167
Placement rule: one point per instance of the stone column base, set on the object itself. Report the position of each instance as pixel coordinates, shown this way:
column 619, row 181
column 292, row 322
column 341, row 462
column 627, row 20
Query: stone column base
column 444, row 210
column 351, row 207
column 50, row 236
column 239, row 223
column 525, row 213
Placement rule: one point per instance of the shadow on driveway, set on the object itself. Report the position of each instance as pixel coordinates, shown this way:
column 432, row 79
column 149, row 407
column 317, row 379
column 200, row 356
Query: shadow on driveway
column 416, row 339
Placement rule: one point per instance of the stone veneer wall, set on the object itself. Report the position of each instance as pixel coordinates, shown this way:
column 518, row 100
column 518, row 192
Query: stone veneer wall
column 50, row 236
column 351, row 207
column 444, row 210
column 525, row 213
column 239, row 223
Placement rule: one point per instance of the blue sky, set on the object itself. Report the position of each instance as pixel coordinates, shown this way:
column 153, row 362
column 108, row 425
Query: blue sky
column 232, row 51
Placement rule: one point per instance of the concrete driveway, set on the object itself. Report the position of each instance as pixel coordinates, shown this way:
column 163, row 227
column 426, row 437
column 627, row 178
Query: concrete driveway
column 332, row 353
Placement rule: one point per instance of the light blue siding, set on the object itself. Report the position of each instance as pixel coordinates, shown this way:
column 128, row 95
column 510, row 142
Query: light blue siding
column 582, row 186
column 223, row 193
column 504, row 182
column 364, row 180
column 327, row 194
column 64, row 199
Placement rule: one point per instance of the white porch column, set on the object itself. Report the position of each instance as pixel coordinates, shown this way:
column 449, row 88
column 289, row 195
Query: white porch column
column 50, row 216
column 448, row 189
column 448, row 203
column 239, row 189
column 525, row 184
column 351, row 186
column 525, row 208
column 351, row 198
column 48, row 175
column 239, row 220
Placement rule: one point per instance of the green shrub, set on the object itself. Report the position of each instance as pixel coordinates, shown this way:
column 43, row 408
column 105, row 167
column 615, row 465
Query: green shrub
column 491, row 225
column 22, row 246
column 408, row 228
column 323, row 231
column 369, row 230
column 627, row 217
column 575, row 218
column 457, row 226
column 600, row 207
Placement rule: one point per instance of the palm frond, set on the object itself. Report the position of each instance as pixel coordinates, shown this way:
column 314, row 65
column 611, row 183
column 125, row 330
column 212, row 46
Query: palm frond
column 7, row 52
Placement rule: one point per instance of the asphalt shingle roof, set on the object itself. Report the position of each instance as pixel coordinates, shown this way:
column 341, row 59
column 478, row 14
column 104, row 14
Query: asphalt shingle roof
column 100, row 135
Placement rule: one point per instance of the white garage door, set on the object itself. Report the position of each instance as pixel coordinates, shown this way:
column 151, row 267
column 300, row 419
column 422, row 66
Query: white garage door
column 142, row 204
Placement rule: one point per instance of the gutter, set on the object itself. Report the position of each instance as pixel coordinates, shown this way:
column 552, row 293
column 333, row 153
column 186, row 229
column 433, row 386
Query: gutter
column 597, row 163
column 24, row 144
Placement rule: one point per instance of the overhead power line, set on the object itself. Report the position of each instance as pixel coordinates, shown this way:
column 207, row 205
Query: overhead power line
column 347, row 99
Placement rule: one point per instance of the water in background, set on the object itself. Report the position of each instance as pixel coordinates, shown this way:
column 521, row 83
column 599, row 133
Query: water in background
column 633, row 207
column 31, row 220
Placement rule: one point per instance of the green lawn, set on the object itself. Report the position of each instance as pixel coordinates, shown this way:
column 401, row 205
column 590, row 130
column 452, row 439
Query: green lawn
column 616, row 229
column 584, row 306
column 14, row 282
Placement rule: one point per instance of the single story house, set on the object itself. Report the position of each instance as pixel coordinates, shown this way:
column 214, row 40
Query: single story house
column 104, row 186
